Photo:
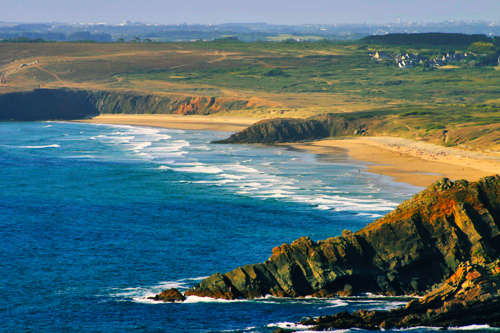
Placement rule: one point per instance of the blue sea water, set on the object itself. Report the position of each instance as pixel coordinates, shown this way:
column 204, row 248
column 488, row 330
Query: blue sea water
column 96, row 218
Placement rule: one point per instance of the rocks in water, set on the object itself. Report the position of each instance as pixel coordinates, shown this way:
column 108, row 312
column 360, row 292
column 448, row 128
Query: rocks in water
column 407, row 252
column 281, row 330
column 169, row 295
column 216, row 286
column 470, row 296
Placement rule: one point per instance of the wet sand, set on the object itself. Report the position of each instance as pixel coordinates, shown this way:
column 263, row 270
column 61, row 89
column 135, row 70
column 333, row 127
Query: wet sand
column 414, row 162
column 409, row 161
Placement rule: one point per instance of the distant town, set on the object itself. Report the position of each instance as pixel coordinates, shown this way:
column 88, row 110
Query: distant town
column 147, row 32
column 411, row 60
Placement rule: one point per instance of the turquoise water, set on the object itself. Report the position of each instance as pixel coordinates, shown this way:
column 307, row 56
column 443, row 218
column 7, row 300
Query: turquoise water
column 96, row 218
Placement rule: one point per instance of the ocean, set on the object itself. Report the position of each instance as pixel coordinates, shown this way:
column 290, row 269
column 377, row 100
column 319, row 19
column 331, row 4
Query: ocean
column 94, row 219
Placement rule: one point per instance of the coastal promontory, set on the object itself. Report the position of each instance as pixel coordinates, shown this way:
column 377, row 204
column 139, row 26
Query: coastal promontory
column 410, row 251
column 470, row 296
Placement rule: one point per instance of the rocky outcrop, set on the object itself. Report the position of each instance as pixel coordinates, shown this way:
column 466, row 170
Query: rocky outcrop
column 409, row 251
column 470, row 296
column 46, row 104
column 169, row 295
column 291, row 130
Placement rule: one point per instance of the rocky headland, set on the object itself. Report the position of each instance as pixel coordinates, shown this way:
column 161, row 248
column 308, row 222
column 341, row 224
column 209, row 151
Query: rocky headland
column 443, row 243
column 68, row 104
column 470, row 296
column 443, row 226
column 292, row 130
column 46, row 104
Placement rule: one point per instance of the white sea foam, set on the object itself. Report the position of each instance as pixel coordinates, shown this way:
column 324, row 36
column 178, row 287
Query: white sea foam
column 199, row 169
column 38, row 147
column 240, row 168
column 80, row 156
column 474, row 328
column 335, row 303
column 250, row 175
column 251, row 184
column 373, row 216
column 141, row 145
column 288, row 325
column 419, row 328
column 229, row 176
column 214, row 182
column 115, row 139
column 141, row 294
column 348, row 203
column 198, row 299
column 202, row 147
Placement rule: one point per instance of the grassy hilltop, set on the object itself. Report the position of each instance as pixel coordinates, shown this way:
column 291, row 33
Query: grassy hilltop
column 287, row 79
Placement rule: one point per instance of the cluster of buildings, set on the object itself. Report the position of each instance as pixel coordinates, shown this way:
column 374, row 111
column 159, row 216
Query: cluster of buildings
column 411, row 60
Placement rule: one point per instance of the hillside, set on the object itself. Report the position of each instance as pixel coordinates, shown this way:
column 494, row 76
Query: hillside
column 466, row 127
column 455, row 105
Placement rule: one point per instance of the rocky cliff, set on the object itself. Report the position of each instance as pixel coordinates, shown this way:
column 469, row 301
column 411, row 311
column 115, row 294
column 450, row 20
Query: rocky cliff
column 46, row 104
column 67, row 104
column 470, row 296
column 292, row 130
column 409, row 251
column 135, row 103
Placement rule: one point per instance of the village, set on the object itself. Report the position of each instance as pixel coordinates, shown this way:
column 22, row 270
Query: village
column 411, row 60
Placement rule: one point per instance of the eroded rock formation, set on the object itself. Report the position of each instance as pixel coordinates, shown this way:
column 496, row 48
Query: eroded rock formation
column 136, row 103
column 470, row 296
column 407, row 252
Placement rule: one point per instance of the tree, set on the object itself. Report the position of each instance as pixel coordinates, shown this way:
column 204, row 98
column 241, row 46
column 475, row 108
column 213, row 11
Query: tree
column 482, row 48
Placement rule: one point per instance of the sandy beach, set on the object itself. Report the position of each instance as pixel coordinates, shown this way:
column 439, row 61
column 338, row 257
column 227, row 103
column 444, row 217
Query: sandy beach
column 414, row 162
column 194, row 122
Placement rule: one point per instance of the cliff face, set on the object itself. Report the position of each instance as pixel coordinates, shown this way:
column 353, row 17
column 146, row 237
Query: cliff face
column 66, row 104
column 46, row 104
column 290, row 130
column 470, row 296
column 133, row 103
column 409, row 251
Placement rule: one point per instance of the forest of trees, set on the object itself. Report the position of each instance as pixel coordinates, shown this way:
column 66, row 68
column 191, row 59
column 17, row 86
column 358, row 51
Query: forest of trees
column 427, row 39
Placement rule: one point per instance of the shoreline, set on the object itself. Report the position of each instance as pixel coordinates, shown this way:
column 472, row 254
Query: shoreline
column 413, row 162
column 404, row 160
column 189, row 122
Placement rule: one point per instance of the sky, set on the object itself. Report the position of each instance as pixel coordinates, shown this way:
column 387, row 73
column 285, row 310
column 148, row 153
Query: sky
column 244, row 11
